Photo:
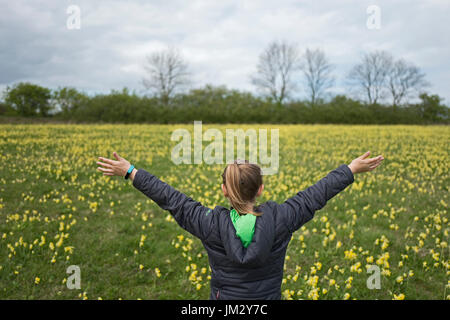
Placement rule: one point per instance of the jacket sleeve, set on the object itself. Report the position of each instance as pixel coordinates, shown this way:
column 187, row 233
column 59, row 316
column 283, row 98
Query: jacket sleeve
column 299, row 209
column 189, row 214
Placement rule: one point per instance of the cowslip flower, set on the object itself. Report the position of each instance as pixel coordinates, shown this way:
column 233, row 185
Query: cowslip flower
column 314, row 294
column 349, row 255
column 356, row 267
column 401, row 296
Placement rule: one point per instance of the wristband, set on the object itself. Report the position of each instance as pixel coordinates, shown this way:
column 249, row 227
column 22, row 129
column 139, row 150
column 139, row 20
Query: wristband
column 129, row 172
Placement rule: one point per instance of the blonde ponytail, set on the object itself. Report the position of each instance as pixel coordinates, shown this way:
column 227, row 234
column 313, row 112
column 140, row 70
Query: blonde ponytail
column 242, row 181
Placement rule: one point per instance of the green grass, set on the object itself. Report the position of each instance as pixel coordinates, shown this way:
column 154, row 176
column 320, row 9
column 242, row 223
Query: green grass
column 49, row 177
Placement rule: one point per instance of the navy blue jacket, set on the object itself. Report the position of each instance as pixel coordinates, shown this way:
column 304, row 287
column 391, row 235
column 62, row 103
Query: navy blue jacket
column 254, row 272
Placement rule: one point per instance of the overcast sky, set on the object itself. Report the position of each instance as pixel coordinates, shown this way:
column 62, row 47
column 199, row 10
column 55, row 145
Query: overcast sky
column 221, row 40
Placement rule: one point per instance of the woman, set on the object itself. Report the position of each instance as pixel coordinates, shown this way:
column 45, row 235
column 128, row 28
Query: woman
column 246, row 245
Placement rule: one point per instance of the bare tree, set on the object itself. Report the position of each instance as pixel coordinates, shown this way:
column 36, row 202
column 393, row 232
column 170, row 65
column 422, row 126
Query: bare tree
column 370, row 76
column 404, row 79
column 276, row 66
column 317, row 72
column 167, row 73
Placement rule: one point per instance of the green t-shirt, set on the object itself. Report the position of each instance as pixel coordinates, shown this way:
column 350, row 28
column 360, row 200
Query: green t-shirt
column 244, row 225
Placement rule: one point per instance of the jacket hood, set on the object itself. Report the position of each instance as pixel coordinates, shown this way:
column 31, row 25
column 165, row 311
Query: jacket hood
column 259, row 249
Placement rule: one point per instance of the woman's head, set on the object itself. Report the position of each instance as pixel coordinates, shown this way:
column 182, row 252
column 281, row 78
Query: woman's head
column 242, row 183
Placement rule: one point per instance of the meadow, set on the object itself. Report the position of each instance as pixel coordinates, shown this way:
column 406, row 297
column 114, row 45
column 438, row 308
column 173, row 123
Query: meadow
column 57, row 210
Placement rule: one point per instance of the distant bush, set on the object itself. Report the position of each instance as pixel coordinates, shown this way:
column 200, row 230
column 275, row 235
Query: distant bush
column 211, row 105
column 29, row 99
column 7, row 110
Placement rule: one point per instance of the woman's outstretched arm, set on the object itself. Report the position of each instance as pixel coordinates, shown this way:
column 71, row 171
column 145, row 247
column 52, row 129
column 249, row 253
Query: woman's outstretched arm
column 191, row 215
column 301, row 207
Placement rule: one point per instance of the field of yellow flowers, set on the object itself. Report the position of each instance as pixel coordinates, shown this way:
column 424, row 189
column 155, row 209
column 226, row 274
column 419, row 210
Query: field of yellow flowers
column 57, row 210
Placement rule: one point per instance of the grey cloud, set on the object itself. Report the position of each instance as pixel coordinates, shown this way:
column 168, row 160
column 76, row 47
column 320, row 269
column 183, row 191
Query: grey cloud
column 221, row 40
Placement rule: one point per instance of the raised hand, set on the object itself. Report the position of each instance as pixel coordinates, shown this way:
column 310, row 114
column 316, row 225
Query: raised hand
column 113, row 167
column 364, row 164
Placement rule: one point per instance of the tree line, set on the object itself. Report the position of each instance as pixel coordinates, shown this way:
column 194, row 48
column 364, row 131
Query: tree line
column 381, row 88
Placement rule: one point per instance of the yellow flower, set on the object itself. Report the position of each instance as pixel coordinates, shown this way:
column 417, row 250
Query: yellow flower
column 401, row 296
column 312, row 281
column 37, row 280
column 314, row 294
column 356, row 267
column 386, row 272
column 349, row 255
column 287, row 294
column 68, row 249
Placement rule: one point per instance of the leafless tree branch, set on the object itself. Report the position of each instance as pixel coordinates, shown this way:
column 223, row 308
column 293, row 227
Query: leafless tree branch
column 167, row 73
column 317, row 71
column 275, row 69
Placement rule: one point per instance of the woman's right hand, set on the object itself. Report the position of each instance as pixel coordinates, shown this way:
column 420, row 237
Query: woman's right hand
column 363, row 164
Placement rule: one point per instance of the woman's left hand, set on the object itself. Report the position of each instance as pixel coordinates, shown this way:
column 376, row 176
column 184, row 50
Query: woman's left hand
column 113, row 167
